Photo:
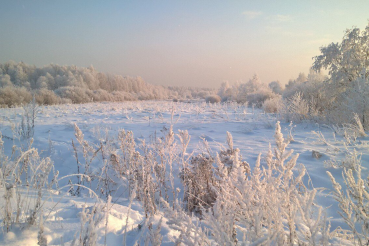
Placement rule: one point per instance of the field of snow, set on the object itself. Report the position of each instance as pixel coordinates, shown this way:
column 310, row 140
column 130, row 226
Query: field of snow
column 252, row 132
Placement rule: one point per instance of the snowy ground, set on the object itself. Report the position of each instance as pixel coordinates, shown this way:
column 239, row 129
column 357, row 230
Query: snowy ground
column 252, row 132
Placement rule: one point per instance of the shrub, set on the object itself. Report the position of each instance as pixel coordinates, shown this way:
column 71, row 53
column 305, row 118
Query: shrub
column 47, row 97
column 272, row 105
column 14, row 96
column 24, row 178
column 199, row 179
column 118, row 96
column 354, row 203
column 75, row 94
column 269, row 206
column 294, row 109
column 213, row 99
column 27, row 127
column 258, row 98
column 101, row 95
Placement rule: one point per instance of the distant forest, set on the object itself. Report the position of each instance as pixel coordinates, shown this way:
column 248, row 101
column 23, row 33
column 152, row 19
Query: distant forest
column 54, row 84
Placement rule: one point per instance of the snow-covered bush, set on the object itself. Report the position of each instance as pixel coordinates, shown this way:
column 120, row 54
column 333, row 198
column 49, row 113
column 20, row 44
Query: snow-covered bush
column 26, row 129
column 213, row 99
column 260, row 96
column 201, row 94
column 269, row 206
column 24, row 178
column 90, row 219
column 354, row 203
column 47, row 97
column 294, row 109
column 191, row 231
column 313, row 87
column 200, row 176
column 120, row 96
column 228, row 156
column 89, row 153
column 101, row 96
column 198, row 180
column 252, row 92
column 10, row 96
column 272, row 105
column 227, row 92
column 75, row 94
column 305, row 98
column 241, row 91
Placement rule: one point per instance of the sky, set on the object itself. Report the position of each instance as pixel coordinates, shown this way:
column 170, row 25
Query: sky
column 188, row 43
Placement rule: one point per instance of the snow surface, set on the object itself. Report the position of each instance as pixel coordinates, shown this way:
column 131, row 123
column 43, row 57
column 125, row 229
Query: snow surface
column 252, row 132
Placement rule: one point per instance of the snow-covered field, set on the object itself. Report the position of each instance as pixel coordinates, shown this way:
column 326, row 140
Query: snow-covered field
column 100, row 123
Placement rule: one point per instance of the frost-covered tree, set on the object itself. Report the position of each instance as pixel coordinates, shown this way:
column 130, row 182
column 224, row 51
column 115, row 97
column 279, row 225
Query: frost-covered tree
column 247, row 88
column 222, row 92
column 356, row 100
column 81, row 85
column 347, row 86
column 300, row 79
column 345, row 61
column 276, row 87
column 5, row 80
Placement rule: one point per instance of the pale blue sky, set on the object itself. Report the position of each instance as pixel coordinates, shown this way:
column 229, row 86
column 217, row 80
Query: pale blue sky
column 195, row 43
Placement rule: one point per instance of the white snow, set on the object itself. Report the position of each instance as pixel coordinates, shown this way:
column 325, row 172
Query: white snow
column 252, row 131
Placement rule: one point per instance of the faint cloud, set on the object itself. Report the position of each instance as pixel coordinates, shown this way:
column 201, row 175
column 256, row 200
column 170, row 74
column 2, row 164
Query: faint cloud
column 283, row 18
column 281, row 25
column 252, row 14
column 280, row 18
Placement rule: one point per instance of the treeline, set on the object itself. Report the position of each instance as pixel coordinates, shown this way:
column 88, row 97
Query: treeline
column 270, row 96
column 253, row 92
column 342, row 97
column 53, row 84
